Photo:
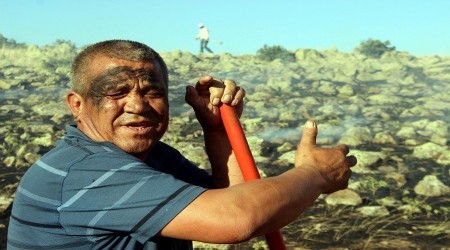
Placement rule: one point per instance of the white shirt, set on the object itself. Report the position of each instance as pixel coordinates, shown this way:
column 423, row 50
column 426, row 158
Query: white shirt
column 203, row 34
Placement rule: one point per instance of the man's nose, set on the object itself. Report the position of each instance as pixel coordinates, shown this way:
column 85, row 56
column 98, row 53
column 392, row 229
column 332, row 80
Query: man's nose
column 137, row 103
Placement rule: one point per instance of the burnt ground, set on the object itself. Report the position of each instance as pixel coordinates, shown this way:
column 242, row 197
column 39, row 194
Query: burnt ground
column 341, row 227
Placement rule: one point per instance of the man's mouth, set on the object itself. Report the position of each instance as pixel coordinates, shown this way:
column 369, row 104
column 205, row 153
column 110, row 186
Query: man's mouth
column 141, row 126
column 137, row 127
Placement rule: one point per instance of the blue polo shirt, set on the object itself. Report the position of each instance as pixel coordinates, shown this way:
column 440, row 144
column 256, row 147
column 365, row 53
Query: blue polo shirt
column 92, row 195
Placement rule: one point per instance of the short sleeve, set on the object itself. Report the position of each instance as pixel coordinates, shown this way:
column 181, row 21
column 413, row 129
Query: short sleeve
column 116, row 194
column 169, row 160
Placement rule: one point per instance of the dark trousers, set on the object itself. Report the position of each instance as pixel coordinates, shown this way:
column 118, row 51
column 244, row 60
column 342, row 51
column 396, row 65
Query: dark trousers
column 204, row 45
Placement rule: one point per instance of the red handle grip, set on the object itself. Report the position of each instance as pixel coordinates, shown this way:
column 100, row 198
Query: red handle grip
column 246, row 161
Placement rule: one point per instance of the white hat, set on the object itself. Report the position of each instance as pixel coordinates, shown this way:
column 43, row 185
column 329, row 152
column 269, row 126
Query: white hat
column 200, row 25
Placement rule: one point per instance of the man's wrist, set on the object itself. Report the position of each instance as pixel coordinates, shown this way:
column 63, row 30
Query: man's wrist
column 312, row 174
column 215, row 133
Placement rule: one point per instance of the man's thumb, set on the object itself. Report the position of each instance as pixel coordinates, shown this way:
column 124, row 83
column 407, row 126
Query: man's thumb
column 309, row 134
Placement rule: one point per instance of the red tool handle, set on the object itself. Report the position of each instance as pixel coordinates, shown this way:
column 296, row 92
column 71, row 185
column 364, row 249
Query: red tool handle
column 246, row 162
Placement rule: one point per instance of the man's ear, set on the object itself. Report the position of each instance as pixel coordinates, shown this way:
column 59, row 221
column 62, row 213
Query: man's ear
column 75, row 103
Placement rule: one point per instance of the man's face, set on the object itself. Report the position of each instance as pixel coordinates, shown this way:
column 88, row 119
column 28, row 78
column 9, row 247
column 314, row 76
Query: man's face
column 127, row 105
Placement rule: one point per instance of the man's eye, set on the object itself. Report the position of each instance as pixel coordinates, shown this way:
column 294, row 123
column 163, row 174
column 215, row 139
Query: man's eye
column 155, row 94
column 116, row 95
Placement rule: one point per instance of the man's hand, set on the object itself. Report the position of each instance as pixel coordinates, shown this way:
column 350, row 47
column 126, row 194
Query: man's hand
column 331, row 163
column 207, row 96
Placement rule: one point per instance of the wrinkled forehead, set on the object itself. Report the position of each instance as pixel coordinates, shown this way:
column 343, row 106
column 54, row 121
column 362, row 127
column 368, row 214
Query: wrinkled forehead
column 107, row 67
column 126, row 73
column 105, row 63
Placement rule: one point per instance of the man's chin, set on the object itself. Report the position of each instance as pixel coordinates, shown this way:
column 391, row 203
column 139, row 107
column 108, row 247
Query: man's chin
column 137, row 147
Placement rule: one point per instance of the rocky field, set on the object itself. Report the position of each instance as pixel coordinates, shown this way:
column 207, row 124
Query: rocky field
column 393, row 112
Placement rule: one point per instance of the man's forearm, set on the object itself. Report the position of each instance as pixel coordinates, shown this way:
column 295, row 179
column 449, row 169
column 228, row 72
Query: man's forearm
column 271, row 203
column 278, row 201
column 225, row 168
column 247, row 210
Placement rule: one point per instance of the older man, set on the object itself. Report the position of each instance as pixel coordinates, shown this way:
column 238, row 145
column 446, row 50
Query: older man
column 111, row 184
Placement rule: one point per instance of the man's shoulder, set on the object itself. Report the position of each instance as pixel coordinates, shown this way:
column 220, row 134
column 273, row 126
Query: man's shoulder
column 164, row 149
column 74, row 138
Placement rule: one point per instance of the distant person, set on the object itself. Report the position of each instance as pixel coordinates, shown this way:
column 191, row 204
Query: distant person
column 110, row 183
column 203, row 35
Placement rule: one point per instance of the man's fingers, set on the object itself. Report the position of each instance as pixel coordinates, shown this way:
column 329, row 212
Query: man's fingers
column 344, row 148
column 191, row 95
column 203, row 83
column 213, row 87
column 351, row 160
column 240, row 94
column 229, row 91
column 309, row 134
column 216, row 89
column 220, row 91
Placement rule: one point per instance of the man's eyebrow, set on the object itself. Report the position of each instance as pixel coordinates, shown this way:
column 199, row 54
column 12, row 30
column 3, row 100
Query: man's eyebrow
column 116, row 71
column 129, row 72
column 108, row 79
column 118, row 74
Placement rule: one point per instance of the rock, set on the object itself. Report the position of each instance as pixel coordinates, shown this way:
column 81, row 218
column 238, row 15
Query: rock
column 330, row 130
column 346, row 90
column 256, row 145
column 288, row 116
column 410, row 209
column 355, row 136
column 194, row 154
column 285, row 147
column 420, row 124
column 439, row 139
column 399, row 178
column 384, row 99
column 252, row 125
column 366, row 159
column 344, row 197
column 288, row 157
column 389, row 202
column 9, row 161
column 431, row 186
column 438, row 128
column 4, row 85
column 428, row 150
column 330, row 110
column 373, row 211
column 28, row 148
column 406, row 133
column 310, row 100
column 327, row 88
column 45, row 140
column 413, row 142
column 4, row 202
column 307, row 54
column 437, row 105
column 40, row 128
column 384, row 137
column 31, row 157
column 280, row 86
column 202, row 245
column 444, row 158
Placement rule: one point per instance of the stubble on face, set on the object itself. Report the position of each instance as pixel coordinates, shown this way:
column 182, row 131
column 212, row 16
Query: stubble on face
column 135, row 131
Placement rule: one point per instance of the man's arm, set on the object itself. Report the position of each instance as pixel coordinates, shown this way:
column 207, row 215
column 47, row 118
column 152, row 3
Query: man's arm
column 246, row 210
column 225, row 168
column 205, row 98
column 255, row 208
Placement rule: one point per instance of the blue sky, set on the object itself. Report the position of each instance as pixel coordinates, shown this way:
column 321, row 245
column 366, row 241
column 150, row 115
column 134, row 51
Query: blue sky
column 421, row 27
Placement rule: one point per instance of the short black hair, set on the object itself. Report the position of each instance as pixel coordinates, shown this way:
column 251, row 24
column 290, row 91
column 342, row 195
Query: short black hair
column 121, row 49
